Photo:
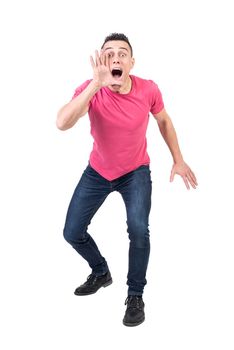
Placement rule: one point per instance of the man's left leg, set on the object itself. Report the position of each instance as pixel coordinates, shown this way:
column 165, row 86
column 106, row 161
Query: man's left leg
column 136, row 194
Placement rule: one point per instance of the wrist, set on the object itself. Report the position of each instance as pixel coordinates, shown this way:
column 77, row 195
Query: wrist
column 96, row 84
column 178, row 160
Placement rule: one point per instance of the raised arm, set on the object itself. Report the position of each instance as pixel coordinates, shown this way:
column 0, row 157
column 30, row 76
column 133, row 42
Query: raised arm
column 169, row 134
column 69, row 114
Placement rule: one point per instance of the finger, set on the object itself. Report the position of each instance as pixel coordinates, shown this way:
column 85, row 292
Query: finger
column 105, row 59
column 102, row 58
column 191, row 181
column 172, row 175
column 92, row 62
column 98, row 63
column 186, row 182
column 192, row 177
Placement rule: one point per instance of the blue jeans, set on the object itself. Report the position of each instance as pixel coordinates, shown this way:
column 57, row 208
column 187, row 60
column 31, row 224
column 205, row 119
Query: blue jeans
column 135, row 188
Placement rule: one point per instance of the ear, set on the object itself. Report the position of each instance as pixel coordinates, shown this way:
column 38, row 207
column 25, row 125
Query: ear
column 132, row 62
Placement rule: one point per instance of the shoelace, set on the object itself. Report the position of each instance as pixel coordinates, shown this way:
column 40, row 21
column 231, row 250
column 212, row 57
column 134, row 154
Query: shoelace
column 91, row 279
column 134, row 302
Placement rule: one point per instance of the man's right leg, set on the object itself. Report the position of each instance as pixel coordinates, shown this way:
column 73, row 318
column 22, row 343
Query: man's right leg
column 88, row 196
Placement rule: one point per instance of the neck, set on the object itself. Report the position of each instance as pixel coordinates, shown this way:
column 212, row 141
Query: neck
column 122, row 89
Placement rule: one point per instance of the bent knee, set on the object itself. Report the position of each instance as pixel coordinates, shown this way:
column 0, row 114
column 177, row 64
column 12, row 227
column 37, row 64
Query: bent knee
column 67, row 235
column 72, row 235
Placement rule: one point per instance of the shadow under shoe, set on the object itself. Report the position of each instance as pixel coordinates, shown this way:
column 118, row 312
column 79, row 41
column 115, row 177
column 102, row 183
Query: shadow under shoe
column 94, row 283
column 134, row 314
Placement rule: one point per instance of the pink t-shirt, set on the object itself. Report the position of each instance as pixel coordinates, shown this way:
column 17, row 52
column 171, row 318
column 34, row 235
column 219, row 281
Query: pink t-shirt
column 118, row 126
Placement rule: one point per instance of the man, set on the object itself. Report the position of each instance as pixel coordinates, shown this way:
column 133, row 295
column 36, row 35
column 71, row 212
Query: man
column 118, row 105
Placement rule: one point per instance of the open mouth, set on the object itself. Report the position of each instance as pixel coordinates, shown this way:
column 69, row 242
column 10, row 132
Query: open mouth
column 116, row 72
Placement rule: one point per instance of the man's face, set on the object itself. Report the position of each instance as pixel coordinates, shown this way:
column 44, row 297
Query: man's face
column 120, row 60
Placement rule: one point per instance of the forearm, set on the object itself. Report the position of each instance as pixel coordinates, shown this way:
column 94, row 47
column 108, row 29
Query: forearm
column 169, row 134
column 69, row 114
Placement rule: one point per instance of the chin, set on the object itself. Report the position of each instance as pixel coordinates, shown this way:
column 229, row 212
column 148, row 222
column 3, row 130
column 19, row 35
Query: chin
column 116, row 87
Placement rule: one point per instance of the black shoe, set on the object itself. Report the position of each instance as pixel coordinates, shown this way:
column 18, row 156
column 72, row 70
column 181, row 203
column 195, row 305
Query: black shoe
column 134, row 314
column 93, row 283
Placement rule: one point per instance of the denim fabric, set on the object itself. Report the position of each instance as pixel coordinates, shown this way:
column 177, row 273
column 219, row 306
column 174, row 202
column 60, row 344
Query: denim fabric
column 92, row 190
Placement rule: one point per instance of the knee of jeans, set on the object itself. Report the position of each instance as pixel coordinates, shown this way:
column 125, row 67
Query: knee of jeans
column 139, row 241
column 138, row 234
column 72, row 235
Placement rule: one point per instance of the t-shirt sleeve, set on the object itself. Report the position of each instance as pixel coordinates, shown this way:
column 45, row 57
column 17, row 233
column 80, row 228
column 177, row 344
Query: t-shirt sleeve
column 156, row 99
column 80, row 88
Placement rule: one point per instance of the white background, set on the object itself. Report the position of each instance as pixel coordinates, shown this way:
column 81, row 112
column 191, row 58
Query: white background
column 187, row 48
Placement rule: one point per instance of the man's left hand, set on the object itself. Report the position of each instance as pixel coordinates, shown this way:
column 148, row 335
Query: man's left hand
column 186, row 173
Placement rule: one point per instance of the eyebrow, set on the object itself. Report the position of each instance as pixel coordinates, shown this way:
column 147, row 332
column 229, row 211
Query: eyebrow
column 121, row 48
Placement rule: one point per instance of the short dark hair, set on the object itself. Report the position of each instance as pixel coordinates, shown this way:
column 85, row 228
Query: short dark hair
column 118, row 36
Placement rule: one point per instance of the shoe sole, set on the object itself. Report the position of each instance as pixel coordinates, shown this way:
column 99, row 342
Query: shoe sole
column 134, row 324
column 108, row 283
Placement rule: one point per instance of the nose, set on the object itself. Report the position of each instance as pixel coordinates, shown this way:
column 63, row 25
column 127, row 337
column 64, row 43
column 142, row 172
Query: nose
column 115, row 59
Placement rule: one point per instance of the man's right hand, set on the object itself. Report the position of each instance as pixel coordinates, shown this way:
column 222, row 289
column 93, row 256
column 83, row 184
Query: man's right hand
column 101, row 71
